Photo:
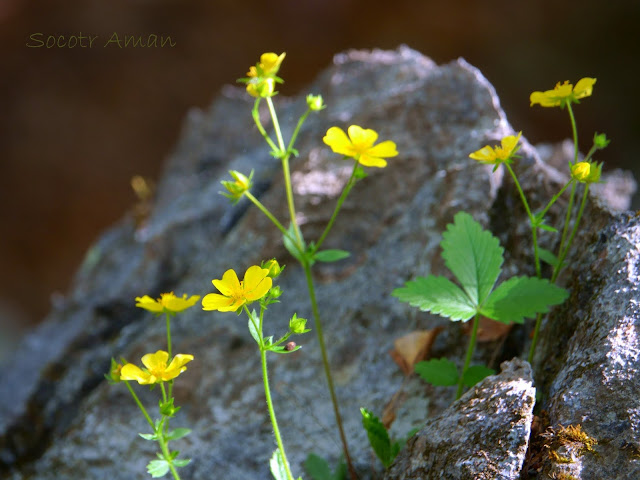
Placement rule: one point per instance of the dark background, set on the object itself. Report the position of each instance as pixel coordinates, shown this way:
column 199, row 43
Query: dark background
column 77, row 124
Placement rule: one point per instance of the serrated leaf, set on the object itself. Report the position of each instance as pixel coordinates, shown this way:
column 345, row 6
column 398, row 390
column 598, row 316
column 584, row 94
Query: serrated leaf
column 378, row 436
column 438, row 295
column 183, row 462
column 547, row 257
column 476, row 373
column 177, row 433
column 149, row 436
column 317, row 467
column 521, row 297
column 473, row 255
column 439, row 372
column 158, row 468
column 277, row 466
column 290, row 245
column 332, row 255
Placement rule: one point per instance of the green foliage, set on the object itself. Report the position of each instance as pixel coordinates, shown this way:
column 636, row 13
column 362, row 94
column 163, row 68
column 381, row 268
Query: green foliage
column 439, row 372
column 548, row 257
column 158, row 468
column 476, row 373
column 318, row 469
column 379, row 438
column 331, row 255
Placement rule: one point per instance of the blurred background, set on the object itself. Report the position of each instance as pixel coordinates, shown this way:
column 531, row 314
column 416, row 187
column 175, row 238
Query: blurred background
column 77, row 123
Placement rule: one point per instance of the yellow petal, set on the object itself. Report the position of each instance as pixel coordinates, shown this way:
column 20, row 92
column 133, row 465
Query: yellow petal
column 256, row 283
column 132, row 372
column 584, row 87
column 177, row 366
column 338, row 141
column 362, row 138
column 156, row 361
column 229, row 283
column 214, row 301
column 149, row 303
column 176, row 304
column 369, row 161
column 383, row 149
column 509, row 144
column 485, row 154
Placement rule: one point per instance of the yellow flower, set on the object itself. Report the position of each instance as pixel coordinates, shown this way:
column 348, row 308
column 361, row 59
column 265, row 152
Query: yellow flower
column 498, row 154
column 167, row 302
column 586, row 172
column 262, row 78
column 564, row 93
column 235, row 294
column 359, row 145
column 157, row 369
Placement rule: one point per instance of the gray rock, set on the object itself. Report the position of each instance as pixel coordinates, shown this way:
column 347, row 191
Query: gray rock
column 59, row 418
column 483, row 435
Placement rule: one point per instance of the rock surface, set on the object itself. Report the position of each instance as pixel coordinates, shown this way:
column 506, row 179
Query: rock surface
column 483, row 435
column 59, row 418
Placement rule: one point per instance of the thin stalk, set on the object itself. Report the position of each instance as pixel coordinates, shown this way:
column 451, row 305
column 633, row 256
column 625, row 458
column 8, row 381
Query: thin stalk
column 470, row 348
column 576, row 224
column 256, row 118
column 140, row 406
column 169, row 346
column 343, row 196
column 567, row 219
column 294, row 135
column 276, row 125
column 164, row 446
column 534, row 228
column 574, row 130
column 327, row 368
column 555, row 198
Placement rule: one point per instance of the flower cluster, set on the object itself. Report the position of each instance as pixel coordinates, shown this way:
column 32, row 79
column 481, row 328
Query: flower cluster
column 262, row 78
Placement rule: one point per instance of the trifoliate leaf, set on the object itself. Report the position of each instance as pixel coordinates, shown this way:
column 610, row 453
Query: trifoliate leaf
column 278, row 469
column 378, row 436
column 547, row 257
column 439, row 372
column 158, row 468
column 473, row 255
column 177, row 433
column 476, row 373
column 438, row 295
column 521, row 297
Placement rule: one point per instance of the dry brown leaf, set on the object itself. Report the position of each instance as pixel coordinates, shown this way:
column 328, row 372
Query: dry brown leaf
column 489, row 330
column 413, row 348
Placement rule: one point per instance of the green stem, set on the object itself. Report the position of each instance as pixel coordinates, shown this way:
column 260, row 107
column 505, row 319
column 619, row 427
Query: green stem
column 576, row 224
column 256, row 118
column 276, row 126
column 327, row 368
column 567, row 219
column 534, row 227
column 139, row 403
column 554, row 199
column 294, row 135
column 343, row 196
column 470, row 348
column 574, row 130
column 164, row 447
column 169, row 346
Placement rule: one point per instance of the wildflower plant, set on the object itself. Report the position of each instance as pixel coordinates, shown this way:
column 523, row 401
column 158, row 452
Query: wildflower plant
column 236, row 296
column 358, row 144
column 160, row 368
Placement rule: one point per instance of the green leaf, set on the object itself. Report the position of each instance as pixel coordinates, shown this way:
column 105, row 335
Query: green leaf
column 149, row 436
column 439, row 372
column 277, row 466
column 253, row 326
column 438, row 295
column 521, row 297
column 177, row 433
column 476, row 373
column 547, row 257
column 158, row 468
column 290, row 244
column 378, row 436
column 548, row 228
column 473, row 255
column 182, row 462
column 317, row 467
column 331, row 255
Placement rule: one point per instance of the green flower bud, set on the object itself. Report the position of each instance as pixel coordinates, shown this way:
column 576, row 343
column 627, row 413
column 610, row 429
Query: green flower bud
column 274, row 268
column 237, row 188
column 315, row 103
column 298, row 325
column 601, row 141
